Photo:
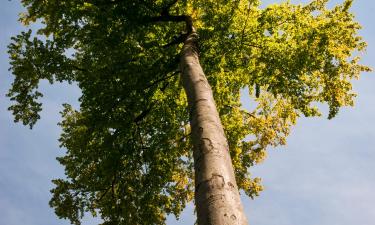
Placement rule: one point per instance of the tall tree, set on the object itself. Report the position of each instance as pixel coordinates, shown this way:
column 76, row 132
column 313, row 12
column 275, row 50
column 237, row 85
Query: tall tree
column 149, row 117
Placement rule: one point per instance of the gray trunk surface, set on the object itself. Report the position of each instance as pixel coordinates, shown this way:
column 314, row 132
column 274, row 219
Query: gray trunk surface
column 217, row 197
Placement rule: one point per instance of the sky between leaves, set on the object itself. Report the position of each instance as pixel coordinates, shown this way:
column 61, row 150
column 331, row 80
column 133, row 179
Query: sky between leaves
column 325, row 174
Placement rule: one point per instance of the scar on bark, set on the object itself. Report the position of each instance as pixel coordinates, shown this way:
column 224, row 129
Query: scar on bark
column 215, row 182
column 206, row 145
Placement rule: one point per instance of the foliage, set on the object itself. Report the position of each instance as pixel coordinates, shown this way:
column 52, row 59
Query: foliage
column 128, row 152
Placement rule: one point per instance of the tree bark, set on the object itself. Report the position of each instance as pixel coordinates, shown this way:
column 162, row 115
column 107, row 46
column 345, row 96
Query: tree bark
column 217, row 197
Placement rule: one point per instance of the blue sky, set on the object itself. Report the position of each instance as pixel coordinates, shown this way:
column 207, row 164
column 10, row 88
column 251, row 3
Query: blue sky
column 325, row 175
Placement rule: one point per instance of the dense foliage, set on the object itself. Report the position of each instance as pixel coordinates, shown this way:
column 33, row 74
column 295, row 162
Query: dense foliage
column 128, row 153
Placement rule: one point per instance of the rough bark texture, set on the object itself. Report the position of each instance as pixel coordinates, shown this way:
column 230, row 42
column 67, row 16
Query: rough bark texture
column 216, row 194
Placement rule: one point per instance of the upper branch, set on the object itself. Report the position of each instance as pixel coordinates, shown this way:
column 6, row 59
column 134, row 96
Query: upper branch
column 165, row 10
column 165, row 16
column 171, row 18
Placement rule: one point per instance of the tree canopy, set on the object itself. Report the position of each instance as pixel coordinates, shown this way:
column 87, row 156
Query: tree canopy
column 128, row 152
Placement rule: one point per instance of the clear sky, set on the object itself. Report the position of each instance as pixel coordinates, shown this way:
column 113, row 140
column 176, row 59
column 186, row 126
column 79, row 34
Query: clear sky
column 325, row 175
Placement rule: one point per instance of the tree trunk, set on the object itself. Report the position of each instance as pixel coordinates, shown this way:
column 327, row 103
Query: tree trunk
column 217, row 197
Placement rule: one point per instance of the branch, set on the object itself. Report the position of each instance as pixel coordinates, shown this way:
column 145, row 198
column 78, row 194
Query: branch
column 165, row 10
column 244, row 27
column 248, row 113
column 102, row 195
column 166, row 18
column 184, row 136
column 253, row 45
column 143, row 114
column 170, row 18
column 162, row 79
column 177, row 40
